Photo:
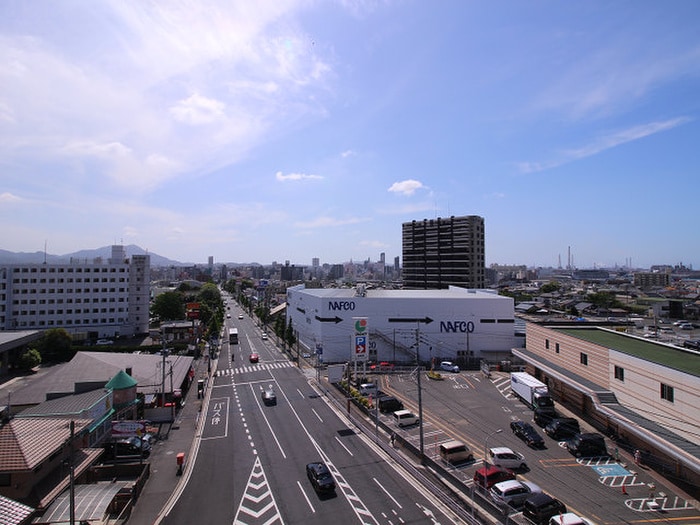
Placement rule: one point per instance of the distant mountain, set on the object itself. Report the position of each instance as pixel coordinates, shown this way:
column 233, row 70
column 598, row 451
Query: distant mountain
column 7, row 257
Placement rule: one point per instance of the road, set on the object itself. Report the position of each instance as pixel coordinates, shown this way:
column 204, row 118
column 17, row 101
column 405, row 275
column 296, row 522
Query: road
column 250, row 465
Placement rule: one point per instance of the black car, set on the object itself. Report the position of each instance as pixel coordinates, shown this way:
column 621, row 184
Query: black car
column 562, row 428
column 540, row 507
column 527, row 433
column 269, row 397
column 320, row 477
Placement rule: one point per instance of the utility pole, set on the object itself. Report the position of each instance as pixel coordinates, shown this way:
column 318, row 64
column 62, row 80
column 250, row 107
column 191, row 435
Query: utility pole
column 420, row 394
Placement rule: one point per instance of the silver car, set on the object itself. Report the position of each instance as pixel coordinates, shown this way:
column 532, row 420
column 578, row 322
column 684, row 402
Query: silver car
column 513, row 492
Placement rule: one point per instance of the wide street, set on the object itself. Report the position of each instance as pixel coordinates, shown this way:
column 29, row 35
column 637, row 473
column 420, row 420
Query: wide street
column 250, row 465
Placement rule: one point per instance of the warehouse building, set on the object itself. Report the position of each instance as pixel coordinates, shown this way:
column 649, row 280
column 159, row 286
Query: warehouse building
column 455, row 324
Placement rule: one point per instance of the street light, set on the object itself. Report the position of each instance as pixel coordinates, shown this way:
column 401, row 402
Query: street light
column 486, row 446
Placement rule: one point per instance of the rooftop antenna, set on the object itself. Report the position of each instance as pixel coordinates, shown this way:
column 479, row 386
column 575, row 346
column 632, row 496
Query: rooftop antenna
column 44, row 251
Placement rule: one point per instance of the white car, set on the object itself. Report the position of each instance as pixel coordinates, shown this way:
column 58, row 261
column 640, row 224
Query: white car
column 506, row 458
column 568, row 518
column 449, row 366
column 513, row 492
column 264, row 336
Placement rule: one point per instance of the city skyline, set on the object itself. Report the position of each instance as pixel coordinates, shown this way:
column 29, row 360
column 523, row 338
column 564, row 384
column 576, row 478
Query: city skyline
column 304, row 129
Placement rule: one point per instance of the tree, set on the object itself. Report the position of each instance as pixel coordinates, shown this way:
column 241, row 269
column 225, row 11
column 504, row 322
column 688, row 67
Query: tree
column 30, row 359
column 56, row 345
column 168, row 306
column 289, row 335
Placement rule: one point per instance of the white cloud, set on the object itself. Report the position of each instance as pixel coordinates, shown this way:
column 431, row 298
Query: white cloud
column 296, row 177
column 347, row 153
column 406, row 187
column 9, row 198
column 604, row 143
column 325, row 221
column 198, row 109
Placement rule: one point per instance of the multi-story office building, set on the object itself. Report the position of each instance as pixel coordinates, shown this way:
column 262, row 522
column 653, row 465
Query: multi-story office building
column 441, row 252
column 94, row 299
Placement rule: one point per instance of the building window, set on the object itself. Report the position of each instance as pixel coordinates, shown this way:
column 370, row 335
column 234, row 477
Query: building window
column 584, row 359
column 556, row 347
column 667, row 392
column 619, row 373
column 546, row 344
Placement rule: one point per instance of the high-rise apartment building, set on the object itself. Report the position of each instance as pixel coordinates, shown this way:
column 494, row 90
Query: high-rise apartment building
column 441, row 252
column 94, row 298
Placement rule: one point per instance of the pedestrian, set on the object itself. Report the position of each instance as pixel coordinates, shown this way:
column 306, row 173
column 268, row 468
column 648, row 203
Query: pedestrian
column 637, row 456
column 393, row 438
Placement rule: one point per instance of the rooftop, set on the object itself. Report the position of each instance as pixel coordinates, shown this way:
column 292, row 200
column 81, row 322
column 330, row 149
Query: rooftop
column 681, row 359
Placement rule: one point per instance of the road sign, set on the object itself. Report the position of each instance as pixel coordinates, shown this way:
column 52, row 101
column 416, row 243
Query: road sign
column 360, row 348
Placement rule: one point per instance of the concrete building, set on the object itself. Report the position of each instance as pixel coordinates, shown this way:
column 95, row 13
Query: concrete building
column 642, row 391
column 94, row 298
column 443, row 252
column 454, row 324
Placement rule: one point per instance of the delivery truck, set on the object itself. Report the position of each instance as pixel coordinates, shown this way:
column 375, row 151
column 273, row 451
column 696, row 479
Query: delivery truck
column 532, row 391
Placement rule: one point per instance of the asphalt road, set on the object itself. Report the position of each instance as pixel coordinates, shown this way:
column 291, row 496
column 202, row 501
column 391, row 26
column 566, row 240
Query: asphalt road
column 250, row 465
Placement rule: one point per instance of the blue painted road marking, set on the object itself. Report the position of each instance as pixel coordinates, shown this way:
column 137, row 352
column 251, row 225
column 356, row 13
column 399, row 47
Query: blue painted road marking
column 613, row 469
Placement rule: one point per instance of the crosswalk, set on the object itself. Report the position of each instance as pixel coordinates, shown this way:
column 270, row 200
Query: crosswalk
column 253, row 368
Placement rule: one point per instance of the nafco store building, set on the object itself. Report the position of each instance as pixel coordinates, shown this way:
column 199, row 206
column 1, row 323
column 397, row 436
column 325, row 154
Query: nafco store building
column 456, row 324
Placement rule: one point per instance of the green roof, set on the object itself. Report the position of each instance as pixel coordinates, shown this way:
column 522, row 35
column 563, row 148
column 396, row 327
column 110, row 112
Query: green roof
column 121, row 381
column 680, row 359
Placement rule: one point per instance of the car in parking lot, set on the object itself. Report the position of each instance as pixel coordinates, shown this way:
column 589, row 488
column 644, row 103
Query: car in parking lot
column 538, row 508
column 240, row 316
column 567, row 518
column 487, row 477
column 101, row 342
column 506, row 458
column 264, row 336
column 589, row 444
column 320, row 477
column 268, row 396
column 513, row 492
column 562, row 428
column 449, row 366
column 527, row 433
column 253, row 358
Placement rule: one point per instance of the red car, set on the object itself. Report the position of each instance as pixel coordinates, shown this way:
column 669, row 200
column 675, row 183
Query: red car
column 384, row 366
column 487, row 477
column 254, row 358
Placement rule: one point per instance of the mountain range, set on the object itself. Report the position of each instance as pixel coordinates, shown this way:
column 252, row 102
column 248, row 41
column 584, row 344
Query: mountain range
column 7, row 257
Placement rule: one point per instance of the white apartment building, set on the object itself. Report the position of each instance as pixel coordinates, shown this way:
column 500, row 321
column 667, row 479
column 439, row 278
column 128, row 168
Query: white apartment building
column 95, row 299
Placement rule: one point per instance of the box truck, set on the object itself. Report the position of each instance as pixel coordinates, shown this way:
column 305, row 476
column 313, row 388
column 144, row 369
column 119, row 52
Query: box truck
column 532, row 391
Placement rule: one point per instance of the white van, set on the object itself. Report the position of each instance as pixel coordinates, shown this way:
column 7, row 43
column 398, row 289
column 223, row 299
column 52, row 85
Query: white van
column 368, row 389
column 404, row 418
column 455, row 452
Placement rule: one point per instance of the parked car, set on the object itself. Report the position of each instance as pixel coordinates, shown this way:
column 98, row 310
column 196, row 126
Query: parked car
column 527, row 433
column 269, row 397
column 507, row 458
column 513, row 492
column 254, row 358
column 562, row 428
column 369, row 389
column 544, row 416
column 320, row 477
column 455, row 452
column 567, row 518
column 240, row 316
column 405, row 418
column 587, row 445
column 487, row 477
column 127, row 449
column 264, row 336
column 388, row 404
column 101, row 342
column 449, row 366
column 538, row 508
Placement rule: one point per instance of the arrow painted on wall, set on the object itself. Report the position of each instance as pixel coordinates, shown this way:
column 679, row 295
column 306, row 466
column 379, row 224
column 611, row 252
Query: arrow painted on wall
column 426, row 320
column 335, row 319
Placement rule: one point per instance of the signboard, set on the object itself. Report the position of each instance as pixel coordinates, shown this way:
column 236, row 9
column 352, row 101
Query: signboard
column 360, row 340
column 128, row 428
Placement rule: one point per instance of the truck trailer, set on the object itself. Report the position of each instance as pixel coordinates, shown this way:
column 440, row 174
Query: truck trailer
column 532, row 391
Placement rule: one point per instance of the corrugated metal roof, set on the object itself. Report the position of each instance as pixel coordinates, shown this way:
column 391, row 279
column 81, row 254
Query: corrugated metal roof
column 91, row 503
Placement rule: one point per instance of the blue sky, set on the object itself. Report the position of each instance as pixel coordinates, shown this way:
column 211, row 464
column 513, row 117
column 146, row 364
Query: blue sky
column 287, row 130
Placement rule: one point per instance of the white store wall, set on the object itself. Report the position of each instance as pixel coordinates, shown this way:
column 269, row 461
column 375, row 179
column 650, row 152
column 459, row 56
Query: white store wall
column 454, row 323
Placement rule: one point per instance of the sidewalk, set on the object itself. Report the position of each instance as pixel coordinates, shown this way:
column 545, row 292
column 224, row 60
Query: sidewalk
column 180, row 437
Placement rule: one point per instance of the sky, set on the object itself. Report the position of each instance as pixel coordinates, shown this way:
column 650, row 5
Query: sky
column 292, row 129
